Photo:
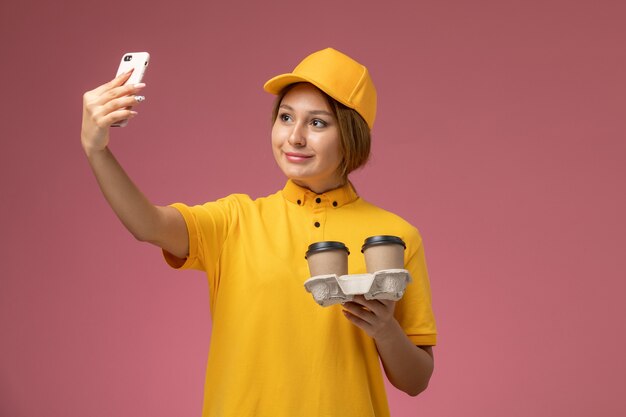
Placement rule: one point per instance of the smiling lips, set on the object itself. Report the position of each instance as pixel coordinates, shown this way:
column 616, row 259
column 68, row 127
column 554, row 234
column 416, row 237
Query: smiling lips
column 297, row 157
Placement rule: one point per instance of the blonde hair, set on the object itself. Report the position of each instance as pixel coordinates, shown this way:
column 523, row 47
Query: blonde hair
column 354, row 132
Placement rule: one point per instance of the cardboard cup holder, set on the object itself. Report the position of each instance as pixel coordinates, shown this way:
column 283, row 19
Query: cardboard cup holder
column 326, row 290
column 331, row 284
column 386, row 284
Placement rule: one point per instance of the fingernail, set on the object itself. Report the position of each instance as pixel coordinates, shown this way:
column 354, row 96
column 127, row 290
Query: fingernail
column 133, row 113
column 140, row 85
column 139, row 99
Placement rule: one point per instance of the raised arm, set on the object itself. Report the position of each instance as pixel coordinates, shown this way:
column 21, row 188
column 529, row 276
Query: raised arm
column 161, row 226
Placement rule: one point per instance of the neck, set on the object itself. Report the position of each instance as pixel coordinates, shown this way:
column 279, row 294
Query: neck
column 321, row 188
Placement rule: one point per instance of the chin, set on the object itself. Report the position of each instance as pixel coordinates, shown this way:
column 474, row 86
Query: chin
column 296, row 174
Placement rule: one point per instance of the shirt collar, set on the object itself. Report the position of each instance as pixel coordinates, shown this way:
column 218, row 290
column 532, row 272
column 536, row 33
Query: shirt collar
column 333, row 198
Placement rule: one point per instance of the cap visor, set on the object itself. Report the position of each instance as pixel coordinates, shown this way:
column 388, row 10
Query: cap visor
column 276, row 84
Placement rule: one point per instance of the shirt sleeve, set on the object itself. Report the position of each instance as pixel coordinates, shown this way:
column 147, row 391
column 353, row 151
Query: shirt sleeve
column 208, row 226
column 414, row 311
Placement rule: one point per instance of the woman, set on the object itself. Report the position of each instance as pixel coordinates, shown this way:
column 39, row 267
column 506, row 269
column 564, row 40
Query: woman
column 274, row 352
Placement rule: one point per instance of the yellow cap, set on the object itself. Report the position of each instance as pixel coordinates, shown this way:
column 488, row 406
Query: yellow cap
column 336, row 74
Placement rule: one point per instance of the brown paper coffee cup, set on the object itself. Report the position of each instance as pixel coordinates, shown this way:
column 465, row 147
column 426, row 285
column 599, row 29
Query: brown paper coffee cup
column 327, row 257
column 383, row 252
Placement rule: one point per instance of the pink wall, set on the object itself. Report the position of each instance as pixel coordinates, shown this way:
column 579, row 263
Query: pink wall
column 501, row 126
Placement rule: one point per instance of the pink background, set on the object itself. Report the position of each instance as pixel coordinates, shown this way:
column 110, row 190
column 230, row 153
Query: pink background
column 501, row 134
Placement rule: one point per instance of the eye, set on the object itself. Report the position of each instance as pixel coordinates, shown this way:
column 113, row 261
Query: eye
column 318, row 123
column 284, row 117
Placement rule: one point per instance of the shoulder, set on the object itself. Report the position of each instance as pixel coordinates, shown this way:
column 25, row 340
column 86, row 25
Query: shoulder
column 388, row 222
column 231, row 202
column 245, row 202
column 380, row 213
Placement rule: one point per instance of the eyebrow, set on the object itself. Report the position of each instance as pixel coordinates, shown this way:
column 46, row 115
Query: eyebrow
column 314, row 112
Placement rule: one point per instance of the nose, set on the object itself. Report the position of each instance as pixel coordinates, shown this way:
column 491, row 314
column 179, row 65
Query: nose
column 298, row 135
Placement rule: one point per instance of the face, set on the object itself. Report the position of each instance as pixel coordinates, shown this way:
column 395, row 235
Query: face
column 306, row 140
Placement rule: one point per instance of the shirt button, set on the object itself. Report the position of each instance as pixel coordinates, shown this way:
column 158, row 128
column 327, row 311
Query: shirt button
column 334, row 204
column 299, row 202
column 318, row 200
column 316, row 224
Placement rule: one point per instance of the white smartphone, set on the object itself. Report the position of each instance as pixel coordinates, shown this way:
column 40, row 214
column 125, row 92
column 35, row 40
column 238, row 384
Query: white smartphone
column 138, row 61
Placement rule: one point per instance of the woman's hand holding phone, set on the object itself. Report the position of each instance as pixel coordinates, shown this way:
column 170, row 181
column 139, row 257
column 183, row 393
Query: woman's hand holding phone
column 105, row 105
column 111, row 104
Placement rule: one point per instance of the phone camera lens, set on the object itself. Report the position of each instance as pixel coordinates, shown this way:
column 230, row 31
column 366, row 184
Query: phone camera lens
column 128, row 58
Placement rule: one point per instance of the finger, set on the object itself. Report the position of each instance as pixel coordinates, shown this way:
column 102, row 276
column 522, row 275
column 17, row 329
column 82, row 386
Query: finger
column 357, row 321
column 92, row 100
column 358, row 311
column 116, row 116
column 373, row 305
column 120, row 103
column 117, row 92
column 115, row 82
column 360, row 299
column 382, row 306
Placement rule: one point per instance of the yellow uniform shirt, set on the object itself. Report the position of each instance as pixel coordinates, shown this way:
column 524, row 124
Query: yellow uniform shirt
column 274, row 352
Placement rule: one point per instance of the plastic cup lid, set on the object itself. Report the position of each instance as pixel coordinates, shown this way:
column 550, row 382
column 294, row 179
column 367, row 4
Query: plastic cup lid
column 382, row 240
column 325, row 246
